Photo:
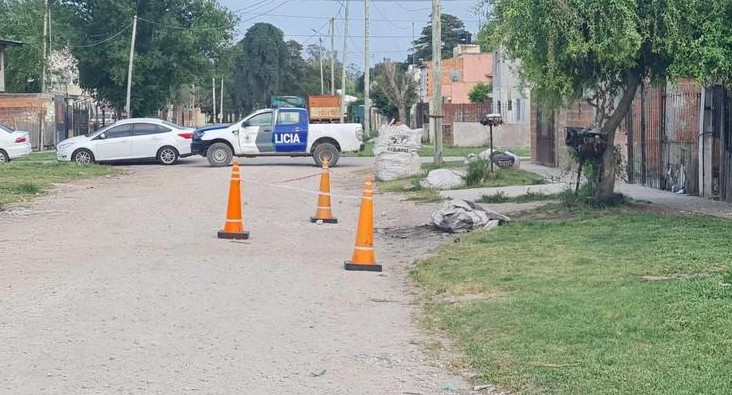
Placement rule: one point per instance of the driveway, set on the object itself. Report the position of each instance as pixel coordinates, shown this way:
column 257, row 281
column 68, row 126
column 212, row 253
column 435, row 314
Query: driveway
column 120, row 285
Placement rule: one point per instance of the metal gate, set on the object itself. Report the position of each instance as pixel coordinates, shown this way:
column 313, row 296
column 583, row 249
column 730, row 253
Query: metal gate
column 545, row 137
column 662, row 129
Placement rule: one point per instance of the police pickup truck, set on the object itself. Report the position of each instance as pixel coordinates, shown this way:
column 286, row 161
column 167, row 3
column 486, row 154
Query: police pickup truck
column 277, row 132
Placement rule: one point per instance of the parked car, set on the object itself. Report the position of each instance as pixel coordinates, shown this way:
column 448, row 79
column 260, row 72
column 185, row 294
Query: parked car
column 129, row 140
column 13, row 144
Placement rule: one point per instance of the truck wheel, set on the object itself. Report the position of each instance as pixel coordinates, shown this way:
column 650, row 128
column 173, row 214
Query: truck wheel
column 326, row 152
column 219, row 154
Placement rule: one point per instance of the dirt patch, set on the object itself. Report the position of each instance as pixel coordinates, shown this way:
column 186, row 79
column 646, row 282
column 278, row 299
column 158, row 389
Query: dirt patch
column 683, row 276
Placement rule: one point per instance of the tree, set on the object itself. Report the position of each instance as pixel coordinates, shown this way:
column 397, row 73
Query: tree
column 452, row 30
column 177, row 42
column 596, row 50
column 481, row 93
column 393, row 89
column 22, row 20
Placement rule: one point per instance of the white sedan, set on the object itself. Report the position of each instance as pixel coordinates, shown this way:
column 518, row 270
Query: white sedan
column 13, row 144
column 129, row 140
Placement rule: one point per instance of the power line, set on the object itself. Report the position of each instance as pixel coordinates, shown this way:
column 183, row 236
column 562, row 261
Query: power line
column 360, row 19
column 103, row 41
column 387, row 20
column 267, row 12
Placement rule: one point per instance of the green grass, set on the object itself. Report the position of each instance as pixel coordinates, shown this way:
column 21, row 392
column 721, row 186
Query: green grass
column 368, row 151
column 415, row 193
column 528, row 197
column 38, row 157
column 20, row 181
column 558, row 306
column 428, row 151
column 511, row 177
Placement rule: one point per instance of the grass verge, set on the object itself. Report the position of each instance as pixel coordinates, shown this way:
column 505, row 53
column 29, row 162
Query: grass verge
column 44, row 156
column 559, row 303
column 448, row 151
column 528, row 197
column 21, row 181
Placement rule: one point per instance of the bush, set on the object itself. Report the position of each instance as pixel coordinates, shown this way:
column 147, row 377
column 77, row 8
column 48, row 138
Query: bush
column 476, row 172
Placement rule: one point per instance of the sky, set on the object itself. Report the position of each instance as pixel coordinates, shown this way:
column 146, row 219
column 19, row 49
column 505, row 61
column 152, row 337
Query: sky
column 390, row 26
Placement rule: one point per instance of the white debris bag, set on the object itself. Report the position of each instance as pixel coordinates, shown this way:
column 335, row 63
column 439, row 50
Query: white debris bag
column 443, row 179
column 396, row 153
column 460, row 216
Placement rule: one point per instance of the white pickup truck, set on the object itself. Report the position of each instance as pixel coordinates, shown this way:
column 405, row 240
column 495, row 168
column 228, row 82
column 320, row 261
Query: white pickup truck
column 277, row 132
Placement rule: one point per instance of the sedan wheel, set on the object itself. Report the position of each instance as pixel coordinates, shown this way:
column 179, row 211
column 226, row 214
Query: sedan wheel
column 4, row 157
column 168, row 155
column 83, row 157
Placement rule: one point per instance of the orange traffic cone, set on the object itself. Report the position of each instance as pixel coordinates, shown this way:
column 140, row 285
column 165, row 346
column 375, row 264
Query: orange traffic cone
column 324, row 212
column 363, row 253
column 234, row 227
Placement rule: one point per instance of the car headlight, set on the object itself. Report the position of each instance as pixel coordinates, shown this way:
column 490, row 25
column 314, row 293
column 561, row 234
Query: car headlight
column 64, row 146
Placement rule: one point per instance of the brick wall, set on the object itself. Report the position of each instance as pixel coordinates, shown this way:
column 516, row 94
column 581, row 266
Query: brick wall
column 33, row 113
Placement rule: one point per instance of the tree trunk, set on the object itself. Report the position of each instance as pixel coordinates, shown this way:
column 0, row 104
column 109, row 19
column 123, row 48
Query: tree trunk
column 606, row 183
column 403, row 114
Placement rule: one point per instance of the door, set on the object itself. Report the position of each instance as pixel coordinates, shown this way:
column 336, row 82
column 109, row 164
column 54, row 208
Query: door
column 114, row 144
column 545, row 138
column 255, row 134
column 291, row 133
column 147, row 138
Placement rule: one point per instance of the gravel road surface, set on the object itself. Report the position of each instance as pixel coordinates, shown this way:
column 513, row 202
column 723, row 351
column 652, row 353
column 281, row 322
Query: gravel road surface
column 120, row 286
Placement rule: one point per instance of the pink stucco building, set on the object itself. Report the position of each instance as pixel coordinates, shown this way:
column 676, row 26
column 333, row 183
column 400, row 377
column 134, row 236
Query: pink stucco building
column 461, row 73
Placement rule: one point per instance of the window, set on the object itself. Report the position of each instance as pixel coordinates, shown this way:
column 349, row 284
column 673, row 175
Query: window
column 509, row 104
column 144, row 129
column 264, row 119
column 518, row 110
column 288, row 118
column 172, row 125
column 118, row 132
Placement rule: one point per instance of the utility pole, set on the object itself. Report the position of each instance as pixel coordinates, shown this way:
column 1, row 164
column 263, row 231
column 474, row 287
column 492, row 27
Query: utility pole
column 322, row 76
column 50, row 51
column 366, row 73
column 45, row 43
column 214, row 101
column 320, row 56
column 332, row 56
column 414, row 49
column 221, row 98
column 436, row 109
column 343, row 73
column 129, row 69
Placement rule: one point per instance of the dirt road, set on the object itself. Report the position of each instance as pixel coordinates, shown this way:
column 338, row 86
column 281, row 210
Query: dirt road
column 119, row 285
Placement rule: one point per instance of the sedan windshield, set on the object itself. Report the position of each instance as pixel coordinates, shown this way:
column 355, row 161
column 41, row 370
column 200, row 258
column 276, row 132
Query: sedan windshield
column 5, row 129
column 99, row 131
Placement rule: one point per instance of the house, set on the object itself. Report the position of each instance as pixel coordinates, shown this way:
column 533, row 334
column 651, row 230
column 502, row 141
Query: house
column 675, row 137
column 460, row 74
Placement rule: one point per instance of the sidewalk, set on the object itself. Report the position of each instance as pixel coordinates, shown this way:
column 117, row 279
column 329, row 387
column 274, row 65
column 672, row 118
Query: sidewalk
column 561, row 180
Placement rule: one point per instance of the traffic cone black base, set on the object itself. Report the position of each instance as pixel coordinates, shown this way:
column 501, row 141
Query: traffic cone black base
column 355, row 267
column 233, row 236
column 325, row 220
